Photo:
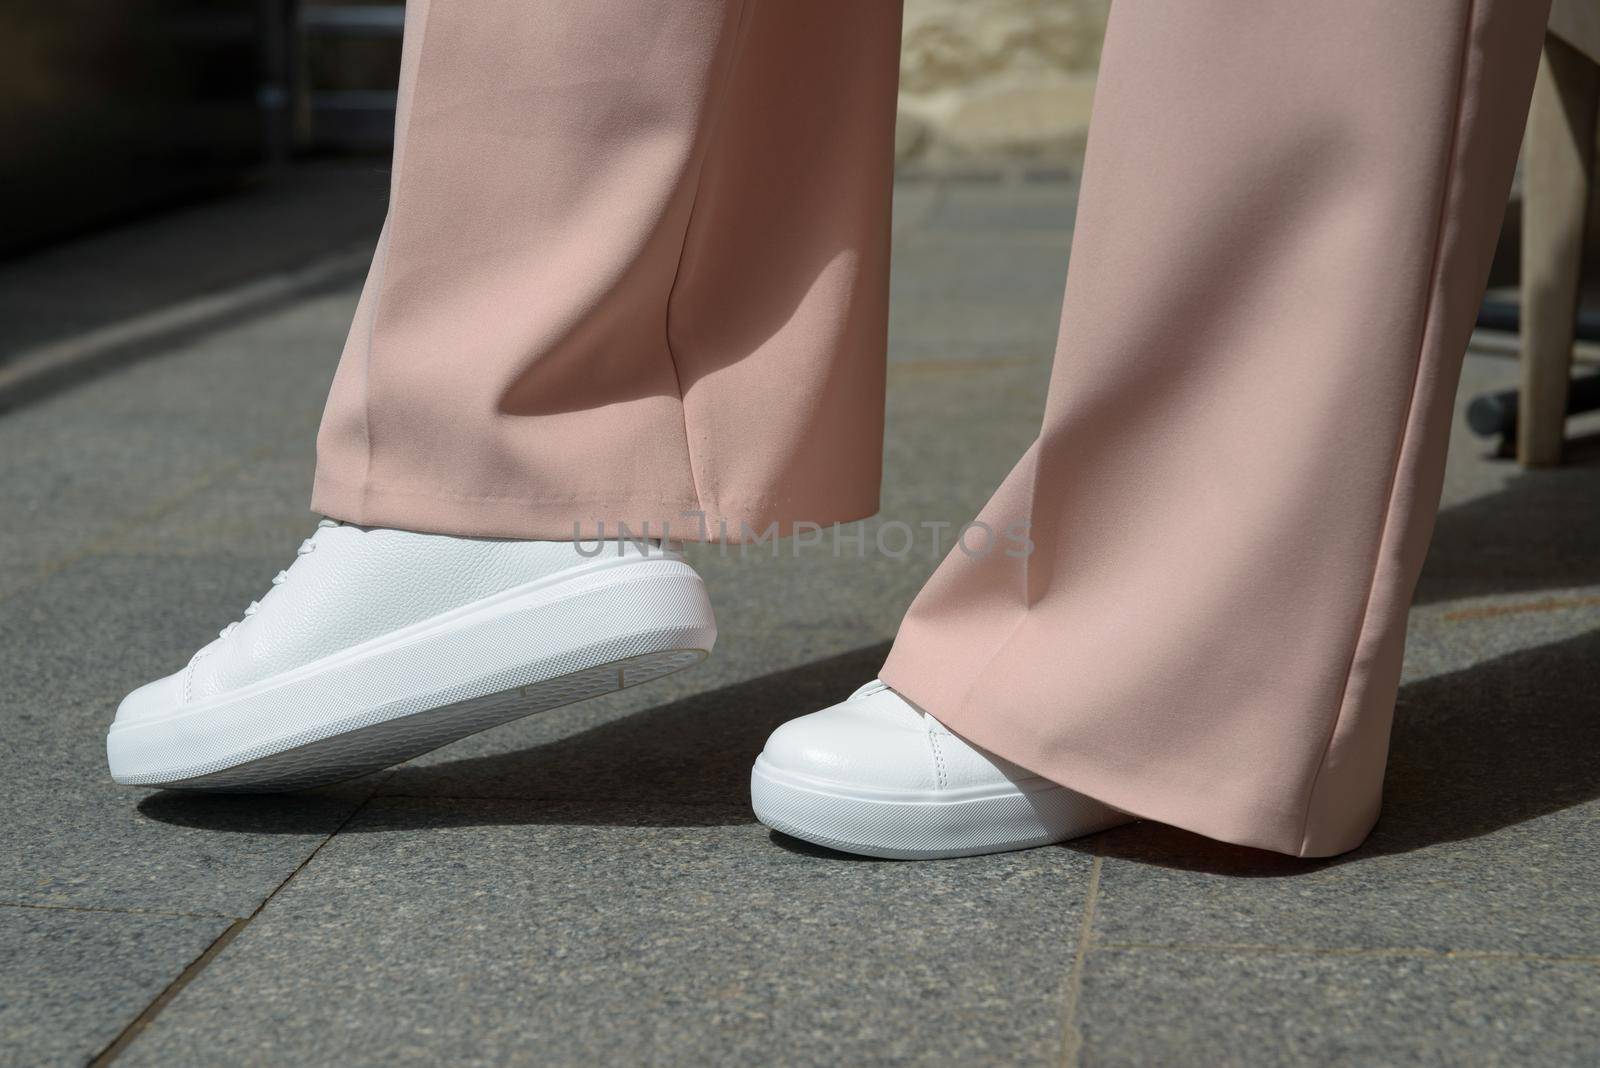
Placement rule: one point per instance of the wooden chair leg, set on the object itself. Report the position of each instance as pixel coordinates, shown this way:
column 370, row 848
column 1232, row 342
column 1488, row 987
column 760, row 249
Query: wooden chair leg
column 1560, row 164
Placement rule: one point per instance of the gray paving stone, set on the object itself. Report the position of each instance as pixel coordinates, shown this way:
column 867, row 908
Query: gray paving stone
column 200, row 459
column 473, row 933
column 1141, row 1008
column 261, row 511
column 72, row 980
column 1490, row 837
column 86, row 637
column 913, row 203
column 1022, row 272
column 994, row 209
column 1503, row 529
column 83, row 469
column 1457, row 635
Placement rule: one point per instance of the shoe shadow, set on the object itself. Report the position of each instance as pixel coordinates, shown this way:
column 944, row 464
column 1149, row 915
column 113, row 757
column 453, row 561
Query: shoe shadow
column 686, row 763
column 1473, row 751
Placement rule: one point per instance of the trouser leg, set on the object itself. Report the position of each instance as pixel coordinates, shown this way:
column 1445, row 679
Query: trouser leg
column 1285, row 226
column 634, row 270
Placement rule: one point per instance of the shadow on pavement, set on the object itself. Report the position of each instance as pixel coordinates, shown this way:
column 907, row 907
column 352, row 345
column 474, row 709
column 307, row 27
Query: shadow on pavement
column 1491, row 746
column 1540, row 532
column 686, row 763
column 1494, row 745
column 1473, row 751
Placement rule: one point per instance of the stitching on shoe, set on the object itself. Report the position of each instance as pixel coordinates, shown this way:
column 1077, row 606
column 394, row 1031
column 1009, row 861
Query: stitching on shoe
column 188, row 672
column 939, row 776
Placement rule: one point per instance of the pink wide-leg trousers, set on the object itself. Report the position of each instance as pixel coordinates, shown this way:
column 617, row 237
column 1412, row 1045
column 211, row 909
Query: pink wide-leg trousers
column 635, row 268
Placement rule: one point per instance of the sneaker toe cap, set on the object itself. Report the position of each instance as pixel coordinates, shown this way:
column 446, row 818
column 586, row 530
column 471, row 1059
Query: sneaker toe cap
column 842, row 744
column 151, row 700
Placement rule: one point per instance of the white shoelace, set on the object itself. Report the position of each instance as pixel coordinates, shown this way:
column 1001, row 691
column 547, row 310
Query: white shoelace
column 306, row 547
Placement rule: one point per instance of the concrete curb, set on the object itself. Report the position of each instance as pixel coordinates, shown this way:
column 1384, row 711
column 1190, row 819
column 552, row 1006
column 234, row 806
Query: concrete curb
column 39, row 372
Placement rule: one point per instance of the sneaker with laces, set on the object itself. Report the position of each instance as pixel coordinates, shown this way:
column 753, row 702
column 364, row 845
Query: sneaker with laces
column 377, row 645
column 879, row 776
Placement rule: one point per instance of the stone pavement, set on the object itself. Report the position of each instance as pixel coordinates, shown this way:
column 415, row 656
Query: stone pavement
column 588, row 886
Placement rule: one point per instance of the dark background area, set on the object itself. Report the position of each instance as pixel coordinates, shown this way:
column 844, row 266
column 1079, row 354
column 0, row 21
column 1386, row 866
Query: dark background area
column 112, row 108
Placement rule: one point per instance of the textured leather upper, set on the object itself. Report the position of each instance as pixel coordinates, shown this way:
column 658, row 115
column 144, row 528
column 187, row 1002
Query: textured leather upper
column 876, row 738
column 351, row 584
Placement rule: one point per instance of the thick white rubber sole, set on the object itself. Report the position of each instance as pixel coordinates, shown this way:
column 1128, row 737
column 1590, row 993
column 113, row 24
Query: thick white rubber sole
column 917, row 825
column 586, row 631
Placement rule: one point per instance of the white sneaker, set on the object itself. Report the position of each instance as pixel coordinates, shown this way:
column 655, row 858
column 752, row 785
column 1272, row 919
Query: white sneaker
column 877, row 775
column 377, row 645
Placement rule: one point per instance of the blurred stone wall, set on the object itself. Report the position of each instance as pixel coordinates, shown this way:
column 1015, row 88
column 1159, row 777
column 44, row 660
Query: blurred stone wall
column 986, row 82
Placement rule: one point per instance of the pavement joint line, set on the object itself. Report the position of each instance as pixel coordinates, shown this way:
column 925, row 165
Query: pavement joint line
column 1074, row 1037
column 137, row 1026
column 41, row 371
column 111, row 539
column 152, row 1010
column 1404, row 952
column 167, row 913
